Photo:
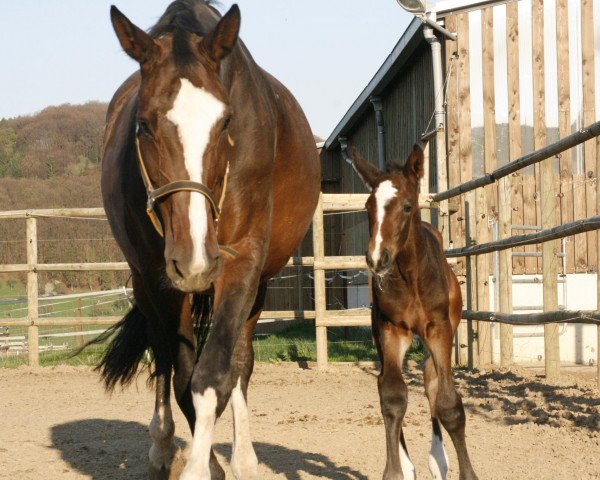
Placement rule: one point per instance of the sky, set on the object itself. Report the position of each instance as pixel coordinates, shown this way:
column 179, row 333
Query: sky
column 325, row 51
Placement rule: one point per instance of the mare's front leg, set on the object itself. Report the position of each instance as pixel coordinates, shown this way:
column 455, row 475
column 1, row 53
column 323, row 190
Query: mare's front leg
column 212, row 382
column 393, row 343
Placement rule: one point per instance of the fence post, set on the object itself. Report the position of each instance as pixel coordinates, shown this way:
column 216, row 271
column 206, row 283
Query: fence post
column 550, row 249
column 319, row 285
column 505, row 271
column 598, row 256
column 32, row 293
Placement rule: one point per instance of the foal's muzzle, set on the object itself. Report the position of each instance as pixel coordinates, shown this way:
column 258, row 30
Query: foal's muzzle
column 383, row 264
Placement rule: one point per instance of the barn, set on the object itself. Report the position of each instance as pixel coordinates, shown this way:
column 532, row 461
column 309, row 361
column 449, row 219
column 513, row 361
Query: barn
column 520, row 75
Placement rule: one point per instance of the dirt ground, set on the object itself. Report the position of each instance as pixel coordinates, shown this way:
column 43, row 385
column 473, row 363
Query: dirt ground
column 59, row 423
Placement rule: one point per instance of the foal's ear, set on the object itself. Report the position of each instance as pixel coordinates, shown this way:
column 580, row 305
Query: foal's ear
column 368, row 173
column 136, row 43
column 220, row 42
column 414, row 164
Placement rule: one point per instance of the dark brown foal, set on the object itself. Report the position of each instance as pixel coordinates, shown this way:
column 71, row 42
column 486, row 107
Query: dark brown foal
column 414, row 291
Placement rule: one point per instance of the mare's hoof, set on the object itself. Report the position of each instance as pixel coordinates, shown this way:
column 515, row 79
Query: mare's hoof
column 165, row 473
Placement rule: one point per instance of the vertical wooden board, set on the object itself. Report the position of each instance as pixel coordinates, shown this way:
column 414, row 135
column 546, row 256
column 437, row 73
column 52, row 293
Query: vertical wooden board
column 539, row 105
column 456, row 227
column 464, row 98
column 529, row 218
column 564, row 127
column 489, row 115
column 517, row 218
column 514, row 121
column 580, row 241
column 589, row 116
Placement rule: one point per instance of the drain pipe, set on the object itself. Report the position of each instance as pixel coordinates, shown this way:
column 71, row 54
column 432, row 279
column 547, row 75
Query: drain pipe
column 440, row 129
column 378, row 107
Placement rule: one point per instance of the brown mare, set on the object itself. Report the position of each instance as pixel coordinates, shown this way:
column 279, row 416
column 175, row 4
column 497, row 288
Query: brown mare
column 202, row 137
column 414, row 291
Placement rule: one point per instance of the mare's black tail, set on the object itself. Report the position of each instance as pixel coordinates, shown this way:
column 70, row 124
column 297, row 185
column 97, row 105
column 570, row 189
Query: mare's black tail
column 121, row 359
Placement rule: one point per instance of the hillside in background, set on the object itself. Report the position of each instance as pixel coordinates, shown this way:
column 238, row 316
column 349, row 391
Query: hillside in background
column 51, row 159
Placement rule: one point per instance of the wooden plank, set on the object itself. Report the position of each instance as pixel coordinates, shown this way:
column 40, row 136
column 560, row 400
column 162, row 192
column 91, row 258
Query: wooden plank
column 589, row 115
column 529, row 218
column 453, row 133
column 548, row 205
column 348, row 202
column 332, row 320
column 539, row 103
column 514, row 122
column 564, row 123
column 319, row 284
column 579, row 209
column 54, row 212
column 32, row 294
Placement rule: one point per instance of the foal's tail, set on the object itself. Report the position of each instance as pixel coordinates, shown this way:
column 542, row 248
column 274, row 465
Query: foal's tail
column 123, row 354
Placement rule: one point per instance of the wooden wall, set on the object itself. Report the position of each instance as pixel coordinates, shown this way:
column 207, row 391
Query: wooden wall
column 522, row 75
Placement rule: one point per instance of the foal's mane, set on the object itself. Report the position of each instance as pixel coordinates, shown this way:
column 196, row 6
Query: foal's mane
column 181, row 18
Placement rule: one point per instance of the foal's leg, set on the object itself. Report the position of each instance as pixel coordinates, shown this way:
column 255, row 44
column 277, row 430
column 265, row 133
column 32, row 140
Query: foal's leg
column 244, row 462
column 448, row 404
column 438, row 459
column 393, row 343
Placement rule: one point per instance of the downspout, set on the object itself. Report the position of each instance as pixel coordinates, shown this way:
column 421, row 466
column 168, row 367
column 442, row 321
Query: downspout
column 440, row 129
column 378, row 107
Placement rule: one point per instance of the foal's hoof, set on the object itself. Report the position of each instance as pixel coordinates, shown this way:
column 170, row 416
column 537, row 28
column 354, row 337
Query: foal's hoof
column 168, row 473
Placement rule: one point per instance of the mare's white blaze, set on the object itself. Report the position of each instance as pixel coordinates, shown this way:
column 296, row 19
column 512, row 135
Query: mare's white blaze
column 162, row 429
column 243, row 458
column 195, row 111
column 438, row 458
column 408, row 469
column 383, row 195
column 198, row 464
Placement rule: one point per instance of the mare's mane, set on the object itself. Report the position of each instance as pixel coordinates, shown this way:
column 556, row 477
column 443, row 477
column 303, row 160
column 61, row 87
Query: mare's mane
column 181, row 18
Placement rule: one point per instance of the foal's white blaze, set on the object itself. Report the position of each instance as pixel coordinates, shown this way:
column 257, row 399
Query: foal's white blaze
column 198, row 464
column 438, row 458
column 195, row 111
column 243, row 459
column 383, row 195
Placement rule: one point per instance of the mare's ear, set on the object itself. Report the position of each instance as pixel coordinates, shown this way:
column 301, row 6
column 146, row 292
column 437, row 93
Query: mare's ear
column 137, row 44
column 368, row 173
column 414, row 164
column 220, row 42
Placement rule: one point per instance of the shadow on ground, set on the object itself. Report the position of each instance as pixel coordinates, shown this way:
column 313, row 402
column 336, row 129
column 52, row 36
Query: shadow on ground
column 292, row 463
column 113, row 449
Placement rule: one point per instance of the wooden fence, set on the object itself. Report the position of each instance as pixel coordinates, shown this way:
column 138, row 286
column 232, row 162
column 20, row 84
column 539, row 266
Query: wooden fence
column 323, row 318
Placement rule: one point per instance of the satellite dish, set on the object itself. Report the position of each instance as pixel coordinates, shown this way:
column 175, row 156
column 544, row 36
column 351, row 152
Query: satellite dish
column 412, row 6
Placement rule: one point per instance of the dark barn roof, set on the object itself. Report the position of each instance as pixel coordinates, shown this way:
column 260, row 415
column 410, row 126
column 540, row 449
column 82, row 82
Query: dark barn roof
column 402, row 52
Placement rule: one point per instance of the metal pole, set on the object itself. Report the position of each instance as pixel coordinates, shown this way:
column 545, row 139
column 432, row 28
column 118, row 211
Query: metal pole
column 440, row 126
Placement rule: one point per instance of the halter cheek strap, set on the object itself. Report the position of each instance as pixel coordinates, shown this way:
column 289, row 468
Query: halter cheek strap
column 155, row 194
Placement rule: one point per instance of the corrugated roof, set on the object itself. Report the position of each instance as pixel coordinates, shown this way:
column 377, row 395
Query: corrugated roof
column 407, row 44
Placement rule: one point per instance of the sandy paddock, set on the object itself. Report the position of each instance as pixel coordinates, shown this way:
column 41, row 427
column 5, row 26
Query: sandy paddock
column 58, row 423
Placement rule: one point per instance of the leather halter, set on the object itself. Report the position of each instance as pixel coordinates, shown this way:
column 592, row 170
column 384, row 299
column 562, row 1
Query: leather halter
column 155, row 194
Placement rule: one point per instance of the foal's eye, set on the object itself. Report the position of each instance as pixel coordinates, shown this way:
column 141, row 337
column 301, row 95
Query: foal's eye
column 407, row 208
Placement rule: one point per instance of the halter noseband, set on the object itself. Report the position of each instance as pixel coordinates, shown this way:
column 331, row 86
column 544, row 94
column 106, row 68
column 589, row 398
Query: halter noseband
column 155, row 194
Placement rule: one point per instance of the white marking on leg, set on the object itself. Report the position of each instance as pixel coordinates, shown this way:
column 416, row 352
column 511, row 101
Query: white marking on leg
column 162, row 430
column 198, row 464
column 408, row 469
column 195, row 112
column 383, row 195
column 243, row 458
column 438, row 458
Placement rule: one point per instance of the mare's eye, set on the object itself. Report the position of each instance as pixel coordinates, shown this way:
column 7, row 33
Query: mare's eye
column 143, row 129
column 226, row 122
column 407, row 208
